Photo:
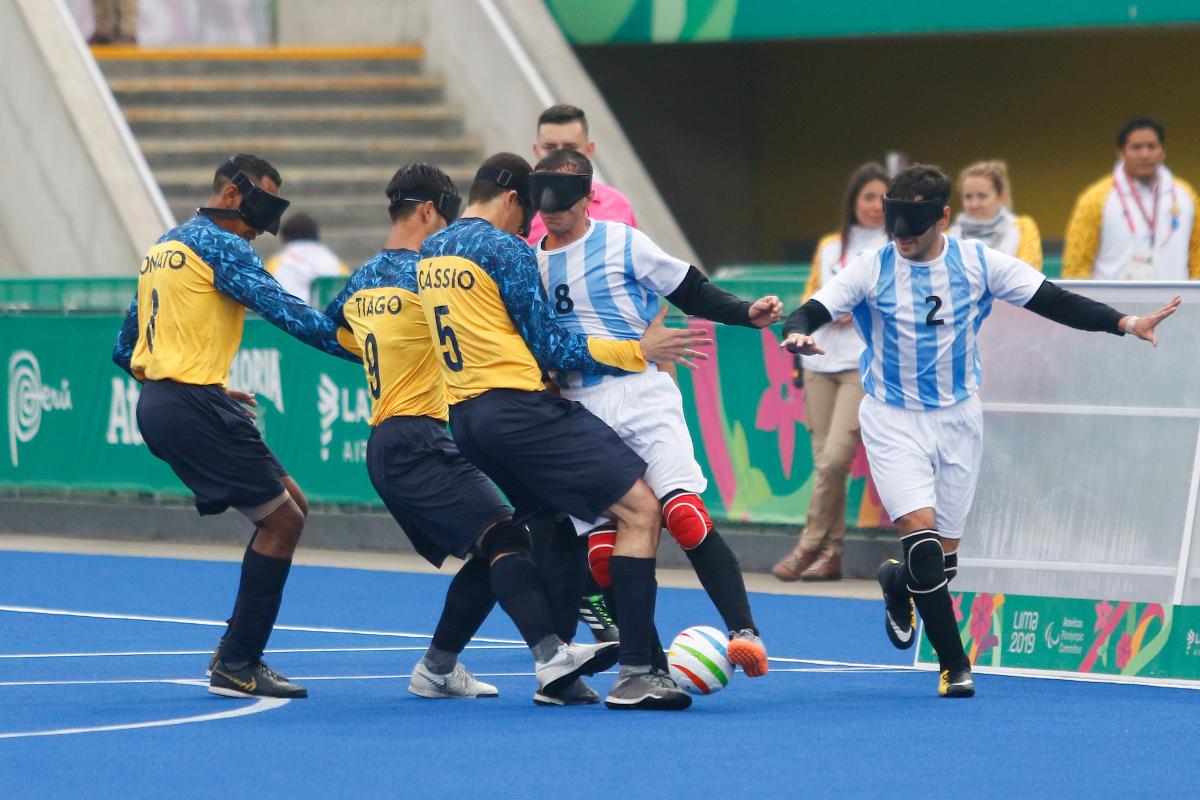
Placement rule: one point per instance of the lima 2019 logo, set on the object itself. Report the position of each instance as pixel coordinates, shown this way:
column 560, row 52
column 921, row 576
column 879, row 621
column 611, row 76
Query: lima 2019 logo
column 28, row 399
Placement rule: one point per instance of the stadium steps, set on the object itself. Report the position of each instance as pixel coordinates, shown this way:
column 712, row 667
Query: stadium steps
column 336, row 121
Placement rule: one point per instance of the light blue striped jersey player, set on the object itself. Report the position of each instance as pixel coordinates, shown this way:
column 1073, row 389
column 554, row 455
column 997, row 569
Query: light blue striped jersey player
column 920, row 321
column 606, row 284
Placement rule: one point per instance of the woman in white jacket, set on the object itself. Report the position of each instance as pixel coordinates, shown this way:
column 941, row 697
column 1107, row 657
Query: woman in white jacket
column 987, row 214
column 832, row 388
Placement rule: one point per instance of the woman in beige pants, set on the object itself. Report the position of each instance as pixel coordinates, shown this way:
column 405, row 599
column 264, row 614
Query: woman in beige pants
column 833, row 390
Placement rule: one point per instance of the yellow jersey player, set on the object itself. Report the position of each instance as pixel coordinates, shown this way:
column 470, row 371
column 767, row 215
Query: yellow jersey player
column 444, row 504
column 179, row 338
column 495, row 333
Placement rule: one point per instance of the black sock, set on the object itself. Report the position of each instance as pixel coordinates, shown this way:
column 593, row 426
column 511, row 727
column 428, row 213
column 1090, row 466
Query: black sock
column 469, row 600
column 518, row 587
column 260, row 593
column 561, row 557
column 937, row 609
column 658, row 658
column 634, row 589
column 721, row 576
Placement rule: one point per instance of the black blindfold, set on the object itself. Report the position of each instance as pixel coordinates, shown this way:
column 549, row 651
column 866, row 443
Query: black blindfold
column 446, row 204
column 558, row 191
column 259, row 209
column 506, row 179
column 911, row 217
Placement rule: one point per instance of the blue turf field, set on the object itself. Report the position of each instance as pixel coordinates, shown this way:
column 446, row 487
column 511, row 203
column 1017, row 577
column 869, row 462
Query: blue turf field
column 805, row 730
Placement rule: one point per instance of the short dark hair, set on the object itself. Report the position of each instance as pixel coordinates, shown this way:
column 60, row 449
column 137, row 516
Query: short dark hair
column 423, row 178
column 483, row 191
column 561, row 114
column 298, row 227
column 920, row 180
column 255, row 168
column 1138, row 124
column 565, row 160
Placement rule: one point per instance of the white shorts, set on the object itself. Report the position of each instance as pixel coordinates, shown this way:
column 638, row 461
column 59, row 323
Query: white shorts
column 925, row 459
column 646, row 411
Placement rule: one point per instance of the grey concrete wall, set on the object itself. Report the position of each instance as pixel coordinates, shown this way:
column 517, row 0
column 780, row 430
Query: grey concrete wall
column 77, row 197
column 134, row 520
column 465, row 41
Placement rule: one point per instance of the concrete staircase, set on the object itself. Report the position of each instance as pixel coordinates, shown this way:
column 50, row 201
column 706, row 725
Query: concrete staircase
column 336, row 122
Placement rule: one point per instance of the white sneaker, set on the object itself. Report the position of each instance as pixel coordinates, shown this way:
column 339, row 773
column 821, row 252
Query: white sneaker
column 573, row 660
column 456, row 684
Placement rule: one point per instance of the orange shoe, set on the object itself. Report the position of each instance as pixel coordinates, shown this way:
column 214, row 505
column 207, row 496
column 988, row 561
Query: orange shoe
column 746, row 650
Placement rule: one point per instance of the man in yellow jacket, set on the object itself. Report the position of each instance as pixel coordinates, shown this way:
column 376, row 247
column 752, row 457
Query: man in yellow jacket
column 1138, row 223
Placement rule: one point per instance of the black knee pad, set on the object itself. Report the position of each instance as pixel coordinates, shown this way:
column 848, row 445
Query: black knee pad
column 951, row 565
column 506, row 537
column 925, row 560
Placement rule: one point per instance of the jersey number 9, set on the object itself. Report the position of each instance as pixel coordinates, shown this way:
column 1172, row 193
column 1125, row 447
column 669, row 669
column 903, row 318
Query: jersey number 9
column 452, row 356
column 371, row 359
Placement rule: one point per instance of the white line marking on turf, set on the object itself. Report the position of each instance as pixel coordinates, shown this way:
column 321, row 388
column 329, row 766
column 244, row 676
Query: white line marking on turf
column 417, row 648
column 58, row 612
column 260, row 705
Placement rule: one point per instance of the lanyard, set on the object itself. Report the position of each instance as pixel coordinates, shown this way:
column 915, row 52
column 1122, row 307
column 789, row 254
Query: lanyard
column 1150, row 219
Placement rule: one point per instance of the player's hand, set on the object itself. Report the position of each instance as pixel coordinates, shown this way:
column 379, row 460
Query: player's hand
column 673, row 345
column 766, row 311
column 802, row 344
column 1144, row 327
column 245, row 398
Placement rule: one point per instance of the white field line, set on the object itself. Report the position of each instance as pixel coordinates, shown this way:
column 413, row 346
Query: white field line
column 58, row 612
column 260, row 705
column 417, row 648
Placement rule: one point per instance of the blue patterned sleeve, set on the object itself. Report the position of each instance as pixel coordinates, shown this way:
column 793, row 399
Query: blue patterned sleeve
column 336, row 310
column 122, row 352
column 241, row 275
column 514, row 267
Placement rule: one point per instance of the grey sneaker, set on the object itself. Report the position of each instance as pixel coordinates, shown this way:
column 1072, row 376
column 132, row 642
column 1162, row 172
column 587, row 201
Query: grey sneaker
column 573, row 660
column 647, row 691
column 456, row 684
column 574, row 694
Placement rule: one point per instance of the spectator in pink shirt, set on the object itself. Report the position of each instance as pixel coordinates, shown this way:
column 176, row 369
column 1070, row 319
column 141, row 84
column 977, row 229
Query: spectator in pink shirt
column 564, row 126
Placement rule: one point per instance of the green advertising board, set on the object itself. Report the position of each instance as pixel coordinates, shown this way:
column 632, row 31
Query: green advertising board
column 1109, row 638
column 71, row 419
column 663, row 21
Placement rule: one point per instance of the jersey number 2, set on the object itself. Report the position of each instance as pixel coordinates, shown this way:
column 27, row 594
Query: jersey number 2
column 447, row 338
column 937, row 304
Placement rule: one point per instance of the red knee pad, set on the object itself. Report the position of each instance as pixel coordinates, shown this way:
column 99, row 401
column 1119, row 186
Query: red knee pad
column 600, row 550
column 687, row 519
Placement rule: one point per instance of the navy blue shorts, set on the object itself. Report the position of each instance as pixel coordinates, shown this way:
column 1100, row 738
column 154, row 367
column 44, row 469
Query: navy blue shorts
column 547, row 453
column 441, row 501
column 211, row 443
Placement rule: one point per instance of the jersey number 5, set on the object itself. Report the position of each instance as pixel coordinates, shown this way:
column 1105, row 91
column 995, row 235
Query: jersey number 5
column 937, row 304
column 452, row 356
column 371, row 357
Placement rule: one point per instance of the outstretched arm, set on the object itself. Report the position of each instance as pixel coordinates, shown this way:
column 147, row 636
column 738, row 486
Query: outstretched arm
column 699, row 297
column 1076, row 311
column 122, row 353
column 336, row 311
column 241, row 276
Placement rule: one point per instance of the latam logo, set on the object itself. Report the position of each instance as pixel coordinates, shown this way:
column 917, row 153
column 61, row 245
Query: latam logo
column 29, row 399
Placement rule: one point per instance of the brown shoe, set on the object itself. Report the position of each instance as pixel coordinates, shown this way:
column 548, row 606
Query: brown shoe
column 793, row 564
column 825, row 568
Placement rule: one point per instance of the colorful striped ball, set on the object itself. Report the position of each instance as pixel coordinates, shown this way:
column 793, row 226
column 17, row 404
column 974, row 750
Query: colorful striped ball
column 699, row 660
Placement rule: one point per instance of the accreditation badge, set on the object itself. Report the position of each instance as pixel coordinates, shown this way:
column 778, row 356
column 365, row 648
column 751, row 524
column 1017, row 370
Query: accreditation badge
column 1141, row 266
